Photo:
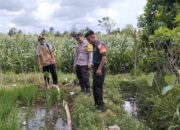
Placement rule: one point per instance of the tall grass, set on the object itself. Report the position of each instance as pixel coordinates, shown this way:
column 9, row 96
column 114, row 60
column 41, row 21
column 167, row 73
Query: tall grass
column 9, row 119
column 28, row 95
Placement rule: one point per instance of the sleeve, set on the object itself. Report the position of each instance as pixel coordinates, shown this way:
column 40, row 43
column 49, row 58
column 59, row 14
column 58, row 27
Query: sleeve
column 102, row 48
column 90, row 60
column 89, row 48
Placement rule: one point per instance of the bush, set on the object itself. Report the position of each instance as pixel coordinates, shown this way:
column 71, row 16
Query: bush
column 161, row 112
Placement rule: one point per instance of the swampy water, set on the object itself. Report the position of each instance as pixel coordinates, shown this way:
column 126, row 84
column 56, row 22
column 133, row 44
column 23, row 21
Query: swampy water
column 129, row 103
column 131, row 108
column 40, row 118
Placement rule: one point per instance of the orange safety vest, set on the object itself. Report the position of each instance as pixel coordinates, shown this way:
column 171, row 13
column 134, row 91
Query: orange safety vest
column 46, row 56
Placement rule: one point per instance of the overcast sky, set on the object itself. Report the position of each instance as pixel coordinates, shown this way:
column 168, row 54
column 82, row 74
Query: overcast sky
column 31, row 16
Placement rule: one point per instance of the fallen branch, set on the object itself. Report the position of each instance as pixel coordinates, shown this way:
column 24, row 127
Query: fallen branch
column 68, row 115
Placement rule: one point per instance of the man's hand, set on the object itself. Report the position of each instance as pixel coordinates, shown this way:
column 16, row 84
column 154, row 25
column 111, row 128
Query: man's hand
column 99, row 72
column 89, row 66
column 40, row 68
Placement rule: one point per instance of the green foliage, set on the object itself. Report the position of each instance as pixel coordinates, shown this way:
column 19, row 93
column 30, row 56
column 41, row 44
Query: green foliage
column 9, row 119
column 170, row 80
column 28, row 94
column 66, row 55
column 8, row 100
column 159, row 14
column 161, row 35
column 11, row 122
column 52, row 97
column 120, row 53
column 18, row 53
column 84, row 117
column 150, row 78
column 160, row 112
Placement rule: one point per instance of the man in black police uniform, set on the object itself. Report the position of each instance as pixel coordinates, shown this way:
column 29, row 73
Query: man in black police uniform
column 99, row 61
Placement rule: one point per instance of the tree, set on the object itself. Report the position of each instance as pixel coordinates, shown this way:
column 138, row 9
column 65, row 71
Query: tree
column 65, row 33
column 51, row 30
column 128, row 30
column 44, row 32
column 158, row 14
column 20, row 31
column 12, row 31
column 107, row 24
column 116, row 31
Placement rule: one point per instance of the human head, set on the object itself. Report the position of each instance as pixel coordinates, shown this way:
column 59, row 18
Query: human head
column 79, row 37
column 41, row 39
column 90, row 36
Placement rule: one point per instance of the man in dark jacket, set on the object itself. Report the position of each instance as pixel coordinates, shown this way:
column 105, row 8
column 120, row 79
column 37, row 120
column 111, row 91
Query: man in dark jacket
column 99, row 61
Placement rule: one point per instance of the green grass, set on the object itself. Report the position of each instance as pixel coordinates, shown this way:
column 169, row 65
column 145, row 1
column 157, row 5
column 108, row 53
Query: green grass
column 52, row 97
column 28, row 94
column 11, row 122
column 9, row 119
column 163, row 109
column 85, row 116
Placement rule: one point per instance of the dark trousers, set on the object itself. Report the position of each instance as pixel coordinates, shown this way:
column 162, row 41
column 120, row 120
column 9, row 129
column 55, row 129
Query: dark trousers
column 83, row 77
column 50, row 69
column 98, row 82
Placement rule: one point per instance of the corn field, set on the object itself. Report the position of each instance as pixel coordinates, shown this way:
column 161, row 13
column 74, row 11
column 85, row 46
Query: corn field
column 123, row 56
column 18, row 53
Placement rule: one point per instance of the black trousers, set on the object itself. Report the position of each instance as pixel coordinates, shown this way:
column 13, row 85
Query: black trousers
column 98, row 82
column 83, row 77
column 50, row 69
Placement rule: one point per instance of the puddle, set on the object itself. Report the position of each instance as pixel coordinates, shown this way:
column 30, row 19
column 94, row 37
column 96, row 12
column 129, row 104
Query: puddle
column 129, row 103
column 130, row 106
column 39, row 119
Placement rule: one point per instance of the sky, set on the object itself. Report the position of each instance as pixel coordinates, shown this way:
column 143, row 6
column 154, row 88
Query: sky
column 32, row 16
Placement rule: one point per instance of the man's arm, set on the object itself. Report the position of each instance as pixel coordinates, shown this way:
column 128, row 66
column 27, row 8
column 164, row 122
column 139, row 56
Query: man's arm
column 75, row 60
column 103, row 62
column 38, row 59
column 39, row 62
column 90, row 60
column 102, row 50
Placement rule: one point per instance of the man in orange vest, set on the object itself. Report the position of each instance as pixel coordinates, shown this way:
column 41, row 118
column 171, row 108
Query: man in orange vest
column 47, row 62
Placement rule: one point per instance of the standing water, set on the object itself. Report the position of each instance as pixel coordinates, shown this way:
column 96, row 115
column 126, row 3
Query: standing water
column 130, row 106
column 40, row 118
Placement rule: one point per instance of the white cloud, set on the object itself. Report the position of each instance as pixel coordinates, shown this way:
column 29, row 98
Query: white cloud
column 35, row 15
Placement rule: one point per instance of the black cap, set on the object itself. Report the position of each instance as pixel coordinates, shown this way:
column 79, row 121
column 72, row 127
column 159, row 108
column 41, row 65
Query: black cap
column 90, row 32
